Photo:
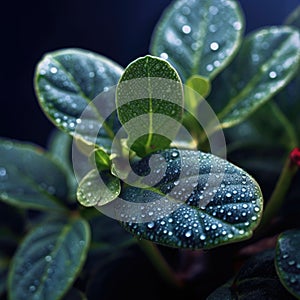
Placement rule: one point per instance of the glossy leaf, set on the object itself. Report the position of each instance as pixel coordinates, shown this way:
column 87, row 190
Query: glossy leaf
column 149, row 103
column 267, row 61
column 59, row 146
column 29, row 178
column 49, row 259
column 199, row 37
column 66, row 83
column 288, row 261
column 257, row 279
column 217, row 202
column 98, row 188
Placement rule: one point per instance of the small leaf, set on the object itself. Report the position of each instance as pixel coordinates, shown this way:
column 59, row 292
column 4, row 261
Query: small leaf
column 257, row 279
column 149, row 102
column 199, row 37
column 214, row 201
column 60, row 145
column 67, row 81
column 101, row 159
column 98, row 188
column 29, row 178
column 49, row 259
column 287, row 261
column 266, row 62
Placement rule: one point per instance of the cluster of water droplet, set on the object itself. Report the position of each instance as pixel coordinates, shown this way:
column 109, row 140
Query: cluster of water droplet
column 233, row 208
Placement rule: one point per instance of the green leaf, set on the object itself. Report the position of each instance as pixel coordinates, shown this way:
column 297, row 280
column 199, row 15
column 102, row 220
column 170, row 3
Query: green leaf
column 294, row 18
column 150, row 104
column 287, row 261
column 67, row 81
column 257, row 279
column 60, row 145
column 49, row 259
column 101, row 159
column 29, row 178
column 98, row 188
column 266, row 62
column 199, row 37
column 214, row 202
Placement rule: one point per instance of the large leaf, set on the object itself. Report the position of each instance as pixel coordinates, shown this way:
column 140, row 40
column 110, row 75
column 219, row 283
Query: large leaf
column 199, row 37
column 149, row 103
column 214, row 202
column 288, row 261
column 67, row 81
column 49, row 259
column 266, row 62
column 257, row 279
column 29, row 178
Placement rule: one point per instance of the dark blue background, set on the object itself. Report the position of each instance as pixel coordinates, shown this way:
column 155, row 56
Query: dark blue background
column 120, row 30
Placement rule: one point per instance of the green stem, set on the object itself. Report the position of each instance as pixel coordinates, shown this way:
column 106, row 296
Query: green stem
column 158, row 261
column 278, row 196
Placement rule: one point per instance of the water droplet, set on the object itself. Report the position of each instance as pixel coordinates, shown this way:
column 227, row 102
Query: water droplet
column 48, row 258
column 150, row 213
column 284, row 256
column 188, row 233
column 230, row 236
column 228, row 195
column 214, row 46
column 2, row 172
column 291, row 262
column 42, row 72
column 174, row 154
column 186, row 10
column 272, row 74
column 186, row 29
column 213, row 10
column 293, row 280
column 170, row 220
column 176, row 182
column 170, row 233
column 237, row 25
column 214, row 226
column 91, row 74
column 298, row 266
column 209, row 68
column 202, row 237
column 212, row 28
column 53, row 70
column 245, row 205
column 150, row 225
column 32, row 288
column 241, row 231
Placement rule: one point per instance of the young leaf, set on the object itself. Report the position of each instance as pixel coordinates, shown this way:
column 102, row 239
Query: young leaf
column 67, row 81
column 49, row 259
column 98, row 188
column 266, row 62
column 257, row 279
column 29, row 178
column 199, row 37
column 149, row 103
column 287, row 261
column 215, row 202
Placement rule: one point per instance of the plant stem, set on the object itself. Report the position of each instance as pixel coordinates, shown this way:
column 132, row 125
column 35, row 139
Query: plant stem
column 158, row 261
column 277, row 198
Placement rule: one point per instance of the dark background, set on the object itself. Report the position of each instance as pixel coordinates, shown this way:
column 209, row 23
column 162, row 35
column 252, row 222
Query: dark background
column 120, row 30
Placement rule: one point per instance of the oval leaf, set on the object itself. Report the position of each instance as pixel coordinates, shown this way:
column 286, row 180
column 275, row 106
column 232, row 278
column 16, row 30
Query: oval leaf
column 29, row 178
column 150, row 104
column 219, row 202
column 49, row 259
column 98, row 188
column 67, row 81
column 287, row 261
column 257, row 279
column 199, row 37
column 269, row 60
